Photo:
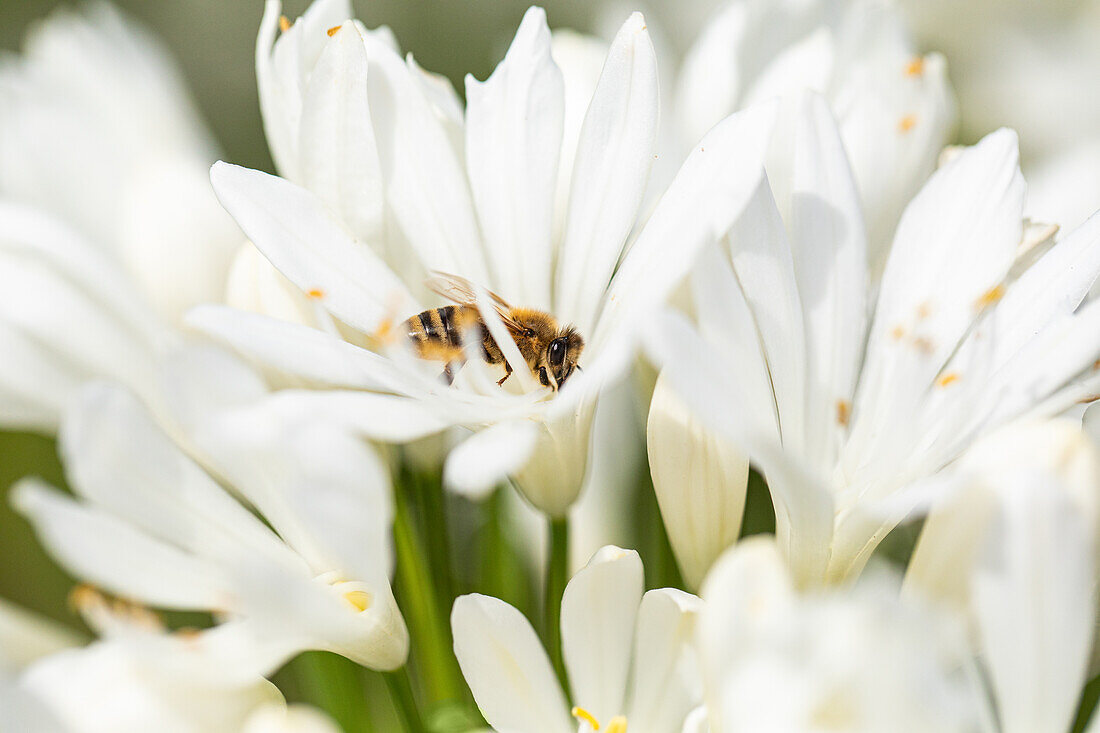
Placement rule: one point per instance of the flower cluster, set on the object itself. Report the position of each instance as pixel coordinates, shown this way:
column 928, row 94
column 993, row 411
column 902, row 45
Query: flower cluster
column 360, row 444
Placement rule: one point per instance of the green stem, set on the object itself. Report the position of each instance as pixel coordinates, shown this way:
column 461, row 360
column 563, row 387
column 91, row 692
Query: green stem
column 403, row 701
column 557, row 574
column 434, row 510
column 336, row 685
column 419, row 602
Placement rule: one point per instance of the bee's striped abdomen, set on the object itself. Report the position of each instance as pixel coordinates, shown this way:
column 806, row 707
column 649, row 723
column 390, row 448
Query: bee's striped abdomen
column 437, row 333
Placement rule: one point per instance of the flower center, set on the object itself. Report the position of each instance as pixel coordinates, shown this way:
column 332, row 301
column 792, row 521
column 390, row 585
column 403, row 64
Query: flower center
column 615, row 725
column 353, row 592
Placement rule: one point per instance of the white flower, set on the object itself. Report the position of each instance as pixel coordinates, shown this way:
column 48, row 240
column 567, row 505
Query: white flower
column 150, row 525
column 856, row 660
column 96, row 127
column 1014, row 544
column 894, row 107
column 626, row 654
column 141, row 678
column 108, row 228
column 842, row 417
column 482, row 205
column 25, row 636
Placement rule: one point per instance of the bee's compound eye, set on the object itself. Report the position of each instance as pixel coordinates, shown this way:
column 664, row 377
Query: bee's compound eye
column 557, row 352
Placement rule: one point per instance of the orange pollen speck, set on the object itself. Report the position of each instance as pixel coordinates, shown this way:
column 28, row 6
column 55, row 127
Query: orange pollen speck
column 284, row 23
column 315, row 293
column 332, row 31
column 991, row 296
column 907, row 123
column 947, row 379
column 897, row 332
column 915, row 67
column 1096, row 364
column 843, row 412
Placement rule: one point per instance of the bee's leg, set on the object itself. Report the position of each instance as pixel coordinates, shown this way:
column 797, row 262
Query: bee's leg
column 507, row 373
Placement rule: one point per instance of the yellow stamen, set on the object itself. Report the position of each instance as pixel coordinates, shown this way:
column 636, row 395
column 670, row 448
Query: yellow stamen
column 915, row 67
column 332, row 31
column 581, row 714
column 284, row 23
column 947, row 379
column 991, row 296
column 907, row 123
column 358, row 598
column 315, row 293
column 843, row 412
column 617, row 725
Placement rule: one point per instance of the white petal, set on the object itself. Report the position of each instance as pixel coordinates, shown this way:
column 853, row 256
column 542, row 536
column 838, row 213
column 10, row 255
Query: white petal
column 339, row 157
column 478, row 464
column 1033, row 586
column 297, row 718
column 817, row 194
column 598, row 613
column 555, row 471
column 954, row 245
column 298, row 350
column 506, row 667
column 665, row 686
column 111, row 553
column 708, row 194
column 614, row 154
column 27, row 636
column 117, row 458
column 425, row 184
column 382, row 417
column 700, row 481
column 513, row 140
column 293, row 229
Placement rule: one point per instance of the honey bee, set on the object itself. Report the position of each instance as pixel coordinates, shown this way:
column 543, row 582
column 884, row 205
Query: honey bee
column 550, row 350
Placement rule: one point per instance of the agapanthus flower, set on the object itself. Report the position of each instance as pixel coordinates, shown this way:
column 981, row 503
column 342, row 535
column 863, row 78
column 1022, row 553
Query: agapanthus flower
column 108, row 228
column 894, row 106
column 140, row 677
column 473, row 196
column 149, row 524
column 627, row 655
column 1014, row 546
column 845, row 406
column 775, row 659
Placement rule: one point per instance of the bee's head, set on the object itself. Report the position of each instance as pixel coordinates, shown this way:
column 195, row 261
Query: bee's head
column 562, row 354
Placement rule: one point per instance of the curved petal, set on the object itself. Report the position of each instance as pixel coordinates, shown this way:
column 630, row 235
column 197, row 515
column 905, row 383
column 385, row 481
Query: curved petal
column 665, row 683
column 506, row 667
column 610, row 173
column 598, row 613
column 513, row 142
column 481, row 462
column 294, row 230
column 337, row 150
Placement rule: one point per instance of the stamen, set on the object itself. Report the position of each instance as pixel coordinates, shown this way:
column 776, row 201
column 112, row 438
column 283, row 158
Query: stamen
column 915, row 67
column 315, row 293
column 907, row 123
column 332, row 31
column 284, row 23
column 843, row 412
column 946, row 379
column 358, row 598
column 581, row 714
column 617, row 725
column 991, row 296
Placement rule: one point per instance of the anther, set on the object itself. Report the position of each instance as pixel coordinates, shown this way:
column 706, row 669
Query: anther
column 843, row 412
column 358, row 598
column 915, row 67
column 315, row 293
column 617, row 725
column 332, row 31
column 946, row 379
column 284, row 23
column 907, row 123
column 581, row 714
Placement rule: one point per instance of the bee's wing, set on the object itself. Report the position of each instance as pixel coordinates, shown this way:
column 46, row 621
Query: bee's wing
column 460, row 290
